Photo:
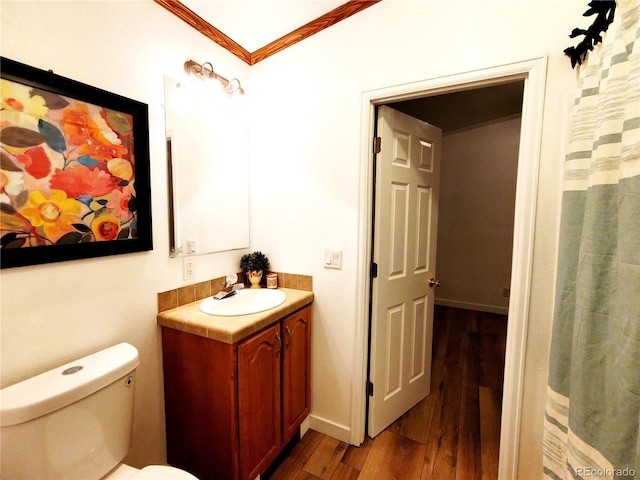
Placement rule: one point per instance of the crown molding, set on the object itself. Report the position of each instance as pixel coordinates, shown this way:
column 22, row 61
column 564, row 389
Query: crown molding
column 325, row 21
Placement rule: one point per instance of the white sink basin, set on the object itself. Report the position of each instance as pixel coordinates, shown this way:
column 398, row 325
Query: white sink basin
column 244, row 302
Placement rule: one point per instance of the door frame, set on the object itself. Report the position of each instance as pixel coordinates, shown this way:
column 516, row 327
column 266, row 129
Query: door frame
column 533, row 72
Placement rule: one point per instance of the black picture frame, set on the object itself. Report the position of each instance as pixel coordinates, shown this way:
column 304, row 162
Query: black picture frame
column 124, row 168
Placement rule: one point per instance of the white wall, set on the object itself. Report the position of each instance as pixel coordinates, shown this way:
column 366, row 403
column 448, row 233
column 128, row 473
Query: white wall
column 476, row 213
column 305, row 147
column 306, row 150
column 52, row 314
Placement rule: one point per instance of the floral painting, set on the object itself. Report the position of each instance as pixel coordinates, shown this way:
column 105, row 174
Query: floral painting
column 68, row 172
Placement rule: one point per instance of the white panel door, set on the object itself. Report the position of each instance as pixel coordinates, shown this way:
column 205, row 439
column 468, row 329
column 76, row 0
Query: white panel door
column 406, row 219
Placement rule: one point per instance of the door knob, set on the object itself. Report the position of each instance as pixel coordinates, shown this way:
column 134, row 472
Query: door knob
column 433, row 282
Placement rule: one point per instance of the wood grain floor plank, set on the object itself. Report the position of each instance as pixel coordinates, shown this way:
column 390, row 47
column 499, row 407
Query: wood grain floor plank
column 416, row 423
column 345, row 472
column 491, row 351
column 490, row 410
column 440, row 455
column 289, row 469
column 468, row 465
column 472, row 320
column 441, row 452
column 306, row 476
column 325, row 458
column 393, row 457
column 356, row 456
column 306, row 446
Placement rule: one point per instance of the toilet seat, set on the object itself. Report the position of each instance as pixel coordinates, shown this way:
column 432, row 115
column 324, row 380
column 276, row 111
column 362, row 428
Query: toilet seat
column 152, row 472
column 162, row 472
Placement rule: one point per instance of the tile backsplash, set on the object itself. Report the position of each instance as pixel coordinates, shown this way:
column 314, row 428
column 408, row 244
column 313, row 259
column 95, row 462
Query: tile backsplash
column 199, row 291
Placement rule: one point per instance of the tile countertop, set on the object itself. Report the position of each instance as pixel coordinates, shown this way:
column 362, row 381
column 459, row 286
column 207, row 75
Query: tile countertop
column 190, row 319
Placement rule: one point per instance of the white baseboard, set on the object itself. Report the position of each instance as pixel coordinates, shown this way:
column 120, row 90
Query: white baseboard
column 472, row 306
column 327, row 427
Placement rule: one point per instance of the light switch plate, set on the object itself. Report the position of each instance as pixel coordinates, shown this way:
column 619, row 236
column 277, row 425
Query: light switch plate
column 333, row 259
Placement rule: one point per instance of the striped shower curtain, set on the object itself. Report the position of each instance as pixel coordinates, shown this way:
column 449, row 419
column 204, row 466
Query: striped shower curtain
column 592, row 418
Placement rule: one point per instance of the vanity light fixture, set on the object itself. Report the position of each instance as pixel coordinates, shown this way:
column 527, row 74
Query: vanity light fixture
column 206, row 72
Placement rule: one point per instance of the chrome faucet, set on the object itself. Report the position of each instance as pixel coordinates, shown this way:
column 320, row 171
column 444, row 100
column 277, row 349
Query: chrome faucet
column 231, row 280
column 231, row 287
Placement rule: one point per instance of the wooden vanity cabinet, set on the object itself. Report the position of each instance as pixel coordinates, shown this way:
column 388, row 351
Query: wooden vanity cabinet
column 230, row 409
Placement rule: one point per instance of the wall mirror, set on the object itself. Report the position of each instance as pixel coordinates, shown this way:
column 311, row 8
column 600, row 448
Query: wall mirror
column 208, row 166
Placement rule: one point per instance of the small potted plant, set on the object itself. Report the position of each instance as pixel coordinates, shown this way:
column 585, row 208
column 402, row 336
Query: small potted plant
column 253, row 265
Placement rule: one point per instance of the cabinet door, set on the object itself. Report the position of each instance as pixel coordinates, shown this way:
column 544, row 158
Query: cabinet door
column 296, row 378
column 259, row 360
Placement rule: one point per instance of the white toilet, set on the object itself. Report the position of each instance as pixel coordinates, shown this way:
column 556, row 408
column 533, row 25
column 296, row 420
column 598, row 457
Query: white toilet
column 74, row 422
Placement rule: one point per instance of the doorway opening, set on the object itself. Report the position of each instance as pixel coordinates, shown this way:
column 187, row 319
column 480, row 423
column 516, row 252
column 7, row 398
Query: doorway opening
column 481, row 136
column 531, row 74
column 460, row 417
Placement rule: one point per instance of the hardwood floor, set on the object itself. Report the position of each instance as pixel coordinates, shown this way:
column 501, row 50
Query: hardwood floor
column 453, row 434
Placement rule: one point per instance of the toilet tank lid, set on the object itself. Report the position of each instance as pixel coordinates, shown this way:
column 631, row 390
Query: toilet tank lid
column 52, row 390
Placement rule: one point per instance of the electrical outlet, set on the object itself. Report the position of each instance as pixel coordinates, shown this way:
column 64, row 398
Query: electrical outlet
column 188, row 268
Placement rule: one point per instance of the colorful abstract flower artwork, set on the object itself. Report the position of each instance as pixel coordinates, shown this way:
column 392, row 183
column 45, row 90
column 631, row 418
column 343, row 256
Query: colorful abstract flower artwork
column 67, row 172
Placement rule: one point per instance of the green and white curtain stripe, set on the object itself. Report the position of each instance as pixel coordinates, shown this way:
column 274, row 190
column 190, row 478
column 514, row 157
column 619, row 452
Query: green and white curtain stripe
column 592, row 419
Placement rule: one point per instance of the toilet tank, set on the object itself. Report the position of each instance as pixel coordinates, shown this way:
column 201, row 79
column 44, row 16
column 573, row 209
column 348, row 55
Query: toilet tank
column 72, row 422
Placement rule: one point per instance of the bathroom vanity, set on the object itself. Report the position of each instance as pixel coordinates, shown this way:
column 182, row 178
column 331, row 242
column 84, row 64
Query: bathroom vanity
column 236, row 388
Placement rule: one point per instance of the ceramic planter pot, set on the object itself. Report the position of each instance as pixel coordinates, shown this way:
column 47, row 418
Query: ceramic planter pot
column 254, row 278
